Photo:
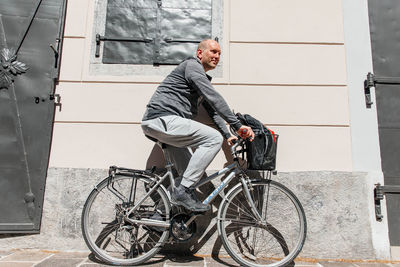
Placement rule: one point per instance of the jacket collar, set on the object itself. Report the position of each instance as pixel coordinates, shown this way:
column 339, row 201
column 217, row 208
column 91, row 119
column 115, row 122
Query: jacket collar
column 198, row 61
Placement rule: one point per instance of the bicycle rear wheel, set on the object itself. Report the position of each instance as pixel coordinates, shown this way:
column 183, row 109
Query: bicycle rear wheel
column 109, row 236
column 273, row 241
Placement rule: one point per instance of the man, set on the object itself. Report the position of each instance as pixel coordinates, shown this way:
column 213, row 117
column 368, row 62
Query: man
column 168, row 118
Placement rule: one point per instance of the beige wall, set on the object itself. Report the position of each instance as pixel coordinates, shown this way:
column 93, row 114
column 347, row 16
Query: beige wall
column 283, row 62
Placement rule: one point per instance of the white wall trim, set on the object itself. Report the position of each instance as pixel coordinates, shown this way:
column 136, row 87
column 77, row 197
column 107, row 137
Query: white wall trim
column 363, row 121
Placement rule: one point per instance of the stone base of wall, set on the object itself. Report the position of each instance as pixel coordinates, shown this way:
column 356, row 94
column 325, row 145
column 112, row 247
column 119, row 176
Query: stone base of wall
column 339, row 208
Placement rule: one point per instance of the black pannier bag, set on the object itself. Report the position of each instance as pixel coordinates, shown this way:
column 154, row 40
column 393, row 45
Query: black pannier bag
column 261, row 152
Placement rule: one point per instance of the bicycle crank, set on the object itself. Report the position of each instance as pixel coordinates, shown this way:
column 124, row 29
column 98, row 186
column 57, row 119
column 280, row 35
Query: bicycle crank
column 179, row 230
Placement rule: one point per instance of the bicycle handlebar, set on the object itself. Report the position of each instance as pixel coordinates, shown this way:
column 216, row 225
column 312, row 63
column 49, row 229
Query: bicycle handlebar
column 236, row 143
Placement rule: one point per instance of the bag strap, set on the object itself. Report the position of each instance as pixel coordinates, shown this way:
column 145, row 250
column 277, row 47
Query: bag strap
column 265, row 138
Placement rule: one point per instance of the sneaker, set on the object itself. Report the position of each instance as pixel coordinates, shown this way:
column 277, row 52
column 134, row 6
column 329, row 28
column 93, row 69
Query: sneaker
column 187, row 197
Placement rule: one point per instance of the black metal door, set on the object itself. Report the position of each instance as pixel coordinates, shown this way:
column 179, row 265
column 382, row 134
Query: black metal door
column 30, row 37
column 384, row 18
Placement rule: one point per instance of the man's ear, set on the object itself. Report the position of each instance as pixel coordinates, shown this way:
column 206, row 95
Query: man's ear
column 199, row 53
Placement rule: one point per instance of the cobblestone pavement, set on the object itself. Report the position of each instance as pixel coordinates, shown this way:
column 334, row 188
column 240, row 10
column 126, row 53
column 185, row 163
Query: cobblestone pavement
column 42, row 258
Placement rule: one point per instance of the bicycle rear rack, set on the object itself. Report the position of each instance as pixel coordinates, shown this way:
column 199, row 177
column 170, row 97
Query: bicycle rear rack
column 114, row 170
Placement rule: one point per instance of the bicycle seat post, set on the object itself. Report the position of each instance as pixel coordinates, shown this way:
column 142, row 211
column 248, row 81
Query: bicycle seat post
column 168, row 162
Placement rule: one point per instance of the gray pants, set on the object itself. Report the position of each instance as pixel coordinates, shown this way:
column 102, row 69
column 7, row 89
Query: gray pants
column 181, row 135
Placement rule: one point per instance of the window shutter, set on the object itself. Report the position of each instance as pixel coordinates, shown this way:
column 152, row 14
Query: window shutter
column 135, row 21
column 183, row 25
column 154, row 31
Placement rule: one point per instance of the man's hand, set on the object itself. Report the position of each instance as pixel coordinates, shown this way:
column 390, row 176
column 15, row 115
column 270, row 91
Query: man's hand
column 231, row 140
column 246, row 132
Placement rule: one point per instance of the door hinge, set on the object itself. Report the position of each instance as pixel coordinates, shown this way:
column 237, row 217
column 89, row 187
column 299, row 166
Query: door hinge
column 368, row 83
column 379, row 192
column 57, row 102
column 372, row 80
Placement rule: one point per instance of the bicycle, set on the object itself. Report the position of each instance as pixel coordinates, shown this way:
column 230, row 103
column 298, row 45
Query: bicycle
column 128, row 216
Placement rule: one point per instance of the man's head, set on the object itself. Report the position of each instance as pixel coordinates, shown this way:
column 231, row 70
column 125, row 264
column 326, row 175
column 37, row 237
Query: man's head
column 209, row 52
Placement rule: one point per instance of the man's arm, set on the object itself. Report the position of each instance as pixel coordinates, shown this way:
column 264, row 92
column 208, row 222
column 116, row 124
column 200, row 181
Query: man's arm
column 197, row 78
column 218, row 121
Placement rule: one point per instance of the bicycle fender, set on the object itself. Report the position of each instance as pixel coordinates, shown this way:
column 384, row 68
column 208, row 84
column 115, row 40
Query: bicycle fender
column 166, row 191
column 224, row 200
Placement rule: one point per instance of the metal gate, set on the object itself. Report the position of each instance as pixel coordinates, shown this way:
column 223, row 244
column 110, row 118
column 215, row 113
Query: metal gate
column 30, row 38
column 384, row 16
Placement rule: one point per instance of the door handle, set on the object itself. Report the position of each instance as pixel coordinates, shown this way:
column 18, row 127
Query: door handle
column 56, row 54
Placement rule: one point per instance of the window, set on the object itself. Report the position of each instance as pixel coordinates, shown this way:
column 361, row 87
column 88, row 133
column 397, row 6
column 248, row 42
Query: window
column 154, row 32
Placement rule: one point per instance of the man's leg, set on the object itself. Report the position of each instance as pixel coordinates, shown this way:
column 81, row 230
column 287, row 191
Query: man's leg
column 181, row 133
column 180, row 157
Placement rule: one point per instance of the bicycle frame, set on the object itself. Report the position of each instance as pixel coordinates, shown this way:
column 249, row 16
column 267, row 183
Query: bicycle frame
column 139, row 218
column 233, row 169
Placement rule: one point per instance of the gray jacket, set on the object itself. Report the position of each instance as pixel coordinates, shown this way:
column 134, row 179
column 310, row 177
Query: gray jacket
column 181, row 92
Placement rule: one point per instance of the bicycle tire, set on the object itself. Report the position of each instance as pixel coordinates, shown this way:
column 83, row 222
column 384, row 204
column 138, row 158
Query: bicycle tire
column 278, row 240
column 114, row 240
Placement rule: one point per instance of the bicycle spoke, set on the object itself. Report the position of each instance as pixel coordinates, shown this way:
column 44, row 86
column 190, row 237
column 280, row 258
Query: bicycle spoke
column 117, row 241
column 235, row 210
column 278, row 238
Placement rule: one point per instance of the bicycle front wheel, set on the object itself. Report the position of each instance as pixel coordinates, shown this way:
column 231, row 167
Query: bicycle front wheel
column 106, row 231
column 275, row 239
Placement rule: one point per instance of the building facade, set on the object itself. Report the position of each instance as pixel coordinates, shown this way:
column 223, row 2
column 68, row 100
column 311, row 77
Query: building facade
column 297, row 66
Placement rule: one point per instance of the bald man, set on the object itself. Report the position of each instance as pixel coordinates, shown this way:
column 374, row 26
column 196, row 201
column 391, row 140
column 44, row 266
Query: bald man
column 169, row 114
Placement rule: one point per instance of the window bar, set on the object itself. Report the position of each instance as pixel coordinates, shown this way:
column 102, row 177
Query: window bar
column 170, row 40
column 100, row 38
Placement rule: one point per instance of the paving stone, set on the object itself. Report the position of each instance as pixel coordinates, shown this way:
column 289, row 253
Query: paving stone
column 147, row 264
column 59, row 262
column 156, row 261
column 220, row 261
column 93, row 265
column 227, row 261
column 183, row 260
column 71, row 255
column 306, row 264
column 32, row 256
column 336, row 264
column 16, row 264
column 5, row 253
column 371, row 264
column 89, row 263
column 37, row 258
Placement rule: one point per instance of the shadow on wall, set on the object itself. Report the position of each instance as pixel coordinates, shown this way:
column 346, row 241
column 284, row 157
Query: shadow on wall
column 205, row 227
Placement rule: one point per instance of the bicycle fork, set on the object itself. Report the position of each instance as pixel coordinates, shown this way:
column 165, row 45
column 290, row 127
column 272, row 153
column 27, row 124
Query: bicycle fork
column 245, row 183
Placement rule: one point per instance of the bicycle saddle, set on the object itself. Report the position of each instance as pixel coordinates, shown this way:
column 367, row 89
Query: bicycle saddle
column 158, row 142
